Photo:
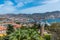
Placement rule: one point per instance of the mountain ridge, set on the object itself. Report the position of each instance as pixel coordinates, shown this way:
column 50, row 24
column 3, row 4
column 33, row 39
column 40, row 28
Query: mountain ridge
column 38, row 16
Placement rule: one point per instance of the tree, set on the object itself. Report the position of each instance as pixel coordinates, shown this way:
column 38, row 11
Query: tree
column 10, row 29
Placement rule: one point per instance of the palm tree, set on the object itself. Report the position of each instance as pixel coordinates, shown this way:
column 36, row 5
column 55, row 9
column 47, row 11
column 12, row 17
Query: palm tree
column 25, row 34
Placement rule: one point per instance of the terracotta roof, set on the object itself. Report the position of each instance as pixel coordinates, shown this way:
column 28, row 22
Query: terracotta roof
column 2, row 28
column 17, row 25
column 14, row 24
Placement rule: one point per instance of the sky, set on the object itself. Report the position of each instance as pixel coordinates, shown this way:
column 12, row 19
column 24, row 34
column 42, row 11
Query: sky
column 29, row 6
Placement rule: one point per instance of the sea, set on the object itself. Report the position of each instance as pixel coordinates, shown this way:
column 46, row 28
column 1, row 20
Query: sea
column 57, row 20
